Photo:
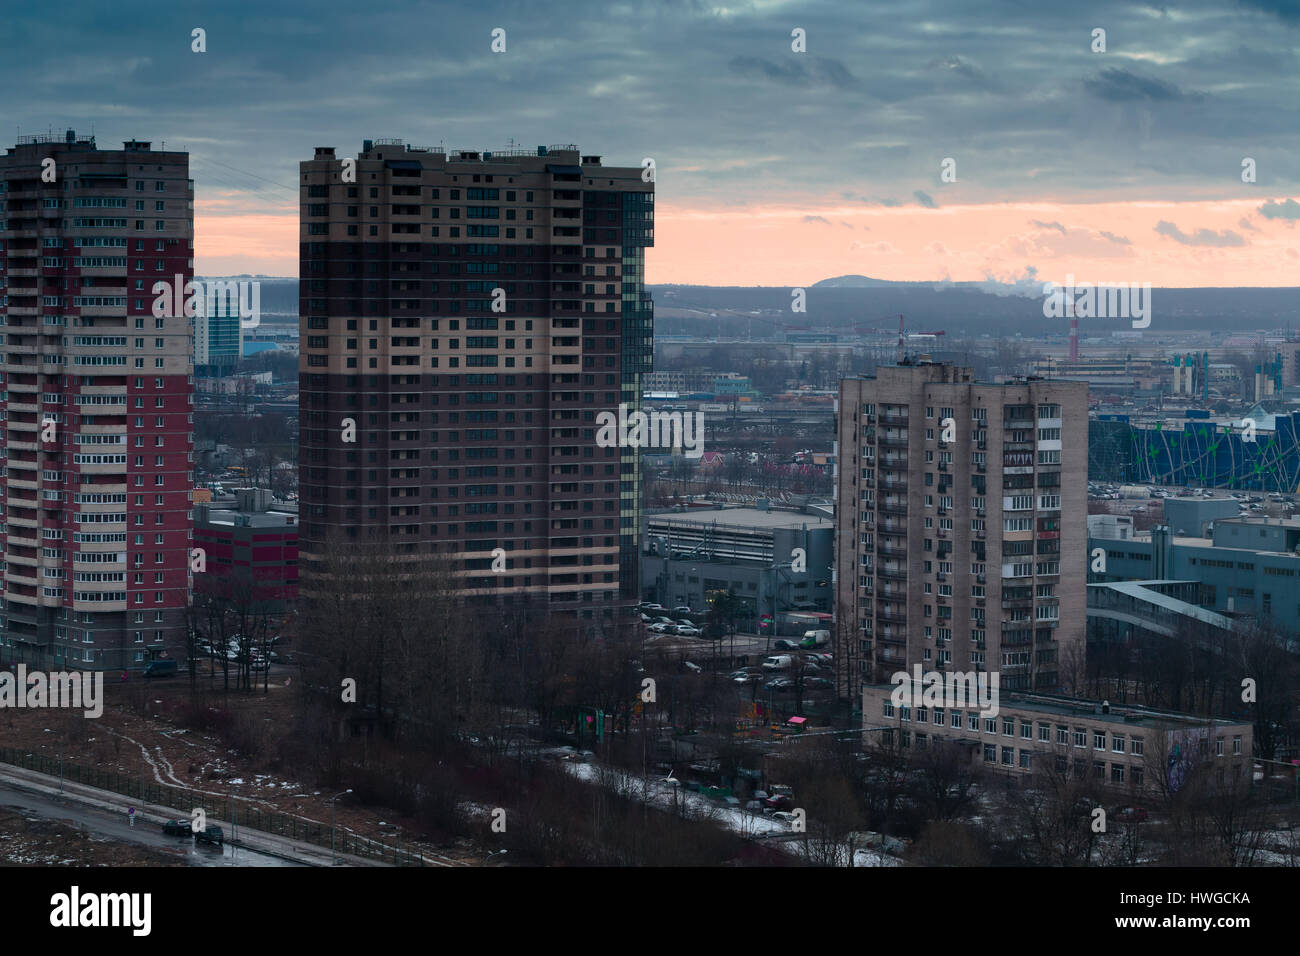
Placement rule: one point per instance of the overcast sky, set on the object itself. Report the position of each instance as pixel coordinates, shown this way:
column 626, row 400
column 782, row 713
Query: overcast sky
column 774, row 167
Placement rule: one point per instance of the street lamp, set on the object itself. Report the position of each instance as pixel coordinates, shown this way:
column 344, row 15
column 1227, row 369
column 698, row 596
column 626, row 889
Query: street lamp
column 332, row 818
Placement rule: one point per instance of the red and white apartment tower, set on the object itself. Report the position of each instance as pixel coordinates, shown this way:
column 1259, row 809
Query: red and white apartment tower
column 96, row 404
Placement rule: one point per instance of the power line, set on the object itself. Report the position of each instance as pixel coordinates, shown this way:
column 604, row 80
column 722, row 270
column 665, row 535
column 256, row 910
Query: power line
column 292, row 189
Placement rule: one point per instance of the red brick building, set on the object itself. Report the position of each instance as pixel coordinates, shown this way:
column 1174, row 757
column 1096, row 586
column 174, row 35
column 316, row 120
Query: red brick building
column 97, row 403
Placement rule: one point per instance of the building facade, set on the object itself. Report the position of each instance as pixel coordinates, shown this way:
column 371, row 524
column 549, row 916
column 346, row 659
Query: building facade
column 97, row 402
column 472, row 314
column 960, row 525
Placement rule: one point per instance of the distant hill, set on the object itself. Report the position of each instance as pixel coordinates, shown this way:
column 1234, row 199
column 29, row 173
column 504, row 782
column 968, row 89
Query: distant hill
column 859, row 282
column 963, row 308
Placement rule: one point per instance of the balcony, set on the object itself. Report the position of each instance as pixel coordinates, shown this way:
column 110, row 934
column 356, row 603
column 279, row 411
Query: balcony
column 892, row 507
column 894, row 441
column 891, row 551
column 893, row 617
column 892, row 574
column 889, row 418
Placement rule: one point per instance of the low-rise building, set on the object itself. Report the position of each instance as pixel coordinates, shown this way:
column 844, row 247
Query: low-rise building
column 1249, row 566
column 1130, row 748
column 249, row 553
column 753, row 552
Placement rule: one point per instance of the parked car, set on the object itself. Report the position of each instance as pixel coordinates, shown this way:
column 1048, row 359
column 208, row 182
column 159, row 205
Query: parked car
column 681, row 610
column 653, row 608
column 1131, row 814
column 685, row 631
column 693, row 668
column 781, row 683
column 779, row 801
column 784, row 645
column 176, row 828
column 819, row 683
column 778, row 662
column 684, row 621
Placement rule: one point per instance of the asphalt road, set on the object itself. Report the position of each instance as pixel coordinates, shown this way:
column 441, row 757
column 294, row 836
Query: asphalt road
column 115, row 826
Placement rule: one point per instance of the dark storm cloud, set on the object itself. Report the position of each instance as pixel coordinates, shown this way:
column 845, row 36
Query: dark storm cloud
column 1202, row 237
column 803, row 71
column 1119, row 85
column 1286, row 10
column 1118, row 240
column 1048, row 225
column 825, row 222
column 925, row 199
column 713, row 92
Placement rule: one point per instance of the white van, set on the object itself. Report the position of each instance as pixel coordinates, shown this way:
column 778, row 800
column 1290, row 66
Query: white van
column 815, row 639
column 778, row 662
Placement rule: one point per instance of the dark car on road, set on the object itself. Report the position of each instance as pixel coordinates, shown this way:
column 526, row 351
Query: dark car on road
column 213, row 836
column 784, row 645
column 160, row 668
column 176, row 828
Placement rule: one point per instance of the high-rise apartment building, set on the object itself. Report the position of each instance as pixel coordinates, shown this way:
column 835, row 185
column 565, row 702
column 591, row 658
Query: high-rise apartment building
column 961, row 526
column 472, row 314
column 97, row 403
column 218, row 336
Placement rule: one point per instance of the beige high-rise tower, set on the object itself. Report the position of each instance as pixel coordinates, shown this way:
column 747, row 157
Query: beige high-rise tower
column 961, row 526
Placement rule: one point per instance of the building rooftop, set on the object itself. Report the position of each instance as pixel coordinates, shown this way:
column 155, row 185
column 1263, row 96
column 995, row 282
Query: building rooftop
column 1124, row 714
column 253, row 519
column 1142, row 591
column 756, row 518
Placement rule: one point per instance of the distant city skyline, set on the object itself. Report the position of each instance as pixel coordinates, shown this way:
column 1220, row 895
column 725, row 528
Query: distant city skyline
column 774, row 167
